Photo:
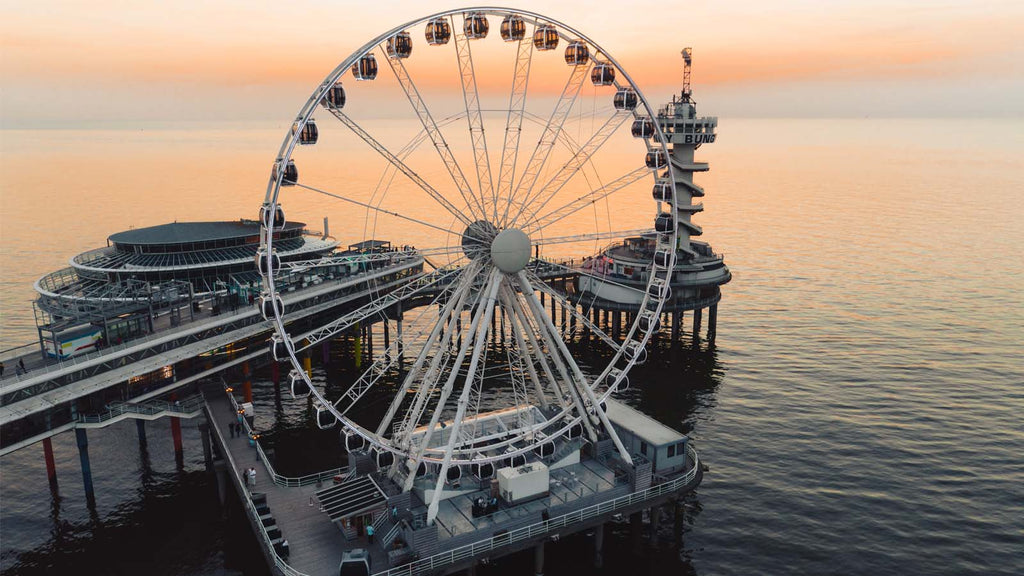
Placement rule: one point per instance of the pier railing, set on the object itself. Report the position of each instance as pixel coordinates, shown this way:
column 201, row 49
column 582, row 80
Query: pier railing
column 280, row 479
column 442, row 559
column 188, row 406
column 246, row 315
column 465, row 552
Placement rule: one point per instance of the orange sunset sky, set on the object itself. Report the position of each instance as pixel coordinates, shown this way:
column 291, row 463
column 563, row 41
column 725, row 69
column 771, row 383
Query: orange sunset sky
column 70, row 64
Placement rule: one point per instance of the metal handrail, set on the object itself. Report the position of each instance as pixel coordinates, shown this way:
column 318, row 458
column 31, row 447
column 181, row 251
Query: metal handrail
column 262, row 532
column 280, row 479
column 152, row 407
column 388, row 538
column 454, row 555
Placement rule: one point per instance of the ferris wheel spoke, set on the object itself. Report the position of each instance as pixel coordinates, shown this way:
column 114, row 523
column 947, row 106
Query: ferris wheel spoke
column 471, row 99
column 417, row 284
column 614, row 234
column 381, row 365
column 453, row 374
column 574, row 206
column 368, row 259
column 434, row 133
column 514, row 121
column 376, row 209
column 479, row 350
column 400, row 165
column 552, row 129
column 454, row 305
column 571, row 308
column 572, row 166
column 531, row 298
column 553, row 352
column 440, row 361
column 524, row 353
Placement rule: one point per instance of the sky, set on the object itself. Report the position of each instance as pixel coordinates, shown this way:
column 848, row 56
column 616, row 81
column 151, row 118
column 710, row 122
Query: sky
column 88, row 64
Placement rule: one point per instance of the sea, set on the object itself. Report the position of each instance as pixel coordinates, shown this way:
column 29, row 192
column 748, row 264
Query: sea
column 860, row 410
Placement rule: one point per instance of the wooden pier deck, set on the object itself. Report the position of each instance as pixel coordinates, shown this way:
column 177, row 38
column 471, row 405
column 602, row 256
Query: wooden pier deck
column 315, row 543
column 581, row 496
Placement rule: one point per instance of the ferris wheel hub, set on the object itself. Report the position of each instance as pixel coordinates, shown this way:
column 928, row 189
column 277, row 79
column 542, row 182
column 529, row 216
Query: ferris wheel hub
column 477, row 238
column 510, row 250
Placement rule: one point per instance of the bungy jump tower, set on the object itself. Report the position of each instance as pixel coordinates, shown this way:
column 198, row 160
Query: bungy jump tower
column 613, row 280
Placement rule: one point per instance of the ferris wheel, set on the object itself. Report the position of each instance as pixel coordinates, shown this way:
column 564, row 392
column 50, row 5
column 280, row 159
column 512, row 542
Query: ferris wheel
column 502, row 158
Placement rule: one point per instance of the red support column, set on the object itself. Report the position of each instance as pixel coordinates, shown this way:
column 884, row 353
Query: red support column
column 51, row 467
column 275, row 372
column 247, row 385
column 176, row 434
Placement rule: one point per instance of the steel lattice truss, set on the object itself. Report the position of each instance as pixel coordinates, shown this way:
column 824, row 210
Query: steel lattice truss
column 479, row 372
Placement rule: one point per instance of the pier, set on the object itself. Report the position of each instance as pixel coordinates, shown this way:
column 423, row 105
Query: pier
column 583, row 497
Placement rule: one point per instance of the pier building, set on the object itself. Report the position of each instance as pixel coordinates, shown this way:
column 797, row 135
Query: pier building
column 159, row 273
column 612, row 283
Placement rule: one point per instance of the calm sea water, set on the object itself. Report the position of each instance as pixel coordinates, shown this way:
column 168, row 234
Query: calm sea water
column 861, row 412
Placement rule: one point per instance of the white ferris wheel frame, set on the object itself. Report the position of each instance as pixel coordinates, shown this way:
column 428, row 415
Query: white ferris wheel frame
column 635, row 337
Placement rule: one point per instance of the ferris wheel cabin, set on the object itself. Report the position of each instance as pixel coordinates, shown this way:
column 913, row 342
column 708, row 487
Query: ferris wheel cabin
column 513, row 28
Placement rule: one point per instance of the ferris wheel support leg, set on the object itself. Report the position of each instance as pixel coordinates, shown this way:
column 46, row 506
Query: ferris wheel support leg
column 478, row 349
column 521, row 344
column 422, row 356
column 520, row 317
column 446, row 391
column 538, row 312
column 531, row 297
column 433, row 371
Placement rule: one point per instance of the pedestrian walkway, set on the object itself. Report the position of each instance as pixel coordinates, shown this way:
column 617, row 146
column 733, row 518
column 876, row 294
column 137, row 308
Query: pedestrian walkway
column 316, row 544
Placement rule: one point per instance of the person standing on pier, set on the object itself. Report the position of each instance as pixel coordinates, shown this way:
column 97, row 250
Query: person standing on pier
column 369, row 533
column 21, row 364
column 2, row 369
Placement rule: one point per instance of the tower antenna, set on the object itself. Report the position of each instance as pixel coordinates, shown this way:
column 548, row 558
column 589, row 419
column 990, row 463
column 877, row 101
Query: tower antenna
column 687, row 62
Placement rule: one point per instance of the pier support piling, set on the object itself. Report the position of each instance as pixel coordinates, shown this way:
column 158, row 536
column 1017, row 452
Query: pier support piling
column 51, row 467
column 636, row 525
column 247, row 382
column 220, row 470
column 179, row 452
column 369, row 342
column 358, row 352
column 679, row 516
column 398, row 334
column 83, row 455
column 204, row 431
column 538, row 559
column 696, row 323
column 655, row 522
column 712, row 322
column 599, row 546
column 140, row 427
